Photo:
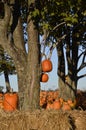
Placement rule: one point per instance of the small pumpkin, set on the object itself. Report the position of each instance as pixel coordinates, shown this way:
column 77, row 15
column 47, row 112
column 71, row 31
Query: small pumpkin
column 66, row 106
column 72, row 103
column 44, row 77
column 49, row 106
column 46, row 65
column 57, row 105
column 61, row 100
column 10, row 101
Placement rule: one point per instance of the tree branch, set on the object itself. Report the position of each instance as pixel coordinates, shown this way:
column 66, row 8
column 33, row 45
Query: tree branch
column 81, row 67
column 83, row 63
column 81, row 54
column 10, row 48
column 79, row 77
column 58, row 25
column 4, row 25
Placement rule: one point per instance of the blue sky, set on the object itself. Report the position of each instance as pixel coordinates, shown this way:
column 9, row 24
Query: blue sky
column 52, row 84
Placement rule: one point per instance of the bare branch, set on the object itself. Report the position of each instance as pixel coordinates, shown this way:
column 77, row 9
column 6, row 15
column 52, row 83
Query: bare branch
column 81, row 54
column 84, row 57
column 56, row 45
column 58, row 25
column 81, row 67
column 83, row 63
column 46, row 33
column 79, row 77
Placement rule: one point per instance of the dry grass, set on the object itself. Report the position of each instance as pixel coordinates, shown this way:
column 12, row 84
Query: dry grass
column 43, row 120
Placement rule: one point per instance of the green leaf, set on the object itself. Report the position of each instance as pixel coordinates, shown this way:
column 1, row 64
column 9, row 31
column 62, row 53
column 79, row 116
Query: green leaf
column 35, row 13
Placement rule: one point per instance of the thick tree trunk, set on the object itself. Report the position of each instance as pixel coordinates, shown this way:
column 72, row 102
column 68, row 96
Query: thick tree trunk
column 33, row 65
column 67, row 85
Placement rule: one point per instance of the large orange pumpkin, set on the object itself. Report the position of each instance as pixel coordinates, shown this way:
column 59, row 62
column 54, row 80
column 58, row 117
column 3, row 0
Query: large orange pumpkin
column 10, row 101
column 46, row 65
column 44, row 77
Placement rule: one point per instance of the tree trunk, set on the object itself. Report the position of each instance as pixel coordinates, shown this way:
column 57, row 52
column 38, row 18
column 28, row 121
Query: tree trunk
column 34, row 65
column 61, row 71
column 27, row 65
column 8, row 88
column 67, row 84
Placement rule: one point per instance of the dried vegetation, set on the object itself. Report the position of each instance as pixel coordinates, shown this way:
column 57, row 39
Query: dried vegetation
column 43, row 120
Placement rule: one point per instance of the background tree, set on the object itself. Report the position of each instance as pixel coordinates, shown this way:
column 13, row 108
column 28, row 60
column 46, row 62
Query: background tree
column 66, row 21
column 68, row 85
column 6, row 67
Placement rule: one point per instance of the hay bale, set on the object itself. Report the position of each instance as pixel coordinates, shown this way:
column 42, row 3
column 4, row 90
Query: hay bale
column 79, row 118
column 43, row 120
column 35, row 120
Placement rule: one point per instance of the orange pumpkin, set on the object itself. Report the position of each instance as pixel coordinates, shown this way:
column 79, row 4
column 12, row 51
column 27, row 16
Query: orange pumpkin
column 10, row 101
column 42, row 101
column 44, row 77
column 72, row 103
column 50, row 96
column 56, row 105
column 49, row 106
column 61, row 100
column 46, row 65
column 66, row 106
column 55, row 94
column 1, row 100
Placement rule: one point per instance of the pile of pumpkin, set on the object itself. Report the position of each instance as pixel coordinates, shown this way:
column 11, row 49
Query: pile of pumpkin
column 46, row 66
column 61, row 104
column 9, row 101
column 50, row 100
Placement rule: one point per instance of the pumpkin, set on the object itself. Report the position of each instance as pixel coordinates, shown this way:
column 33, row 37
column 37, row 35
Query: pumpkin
column 1, row 100
column 42, row 101
column 56, row 105
column 44, row 77
column 50, row 96
column 55, row 94
column 10, row 101
column 46, row 65
column 72, row 103
column 61, row 100
column 66, row 106
column 49, row 106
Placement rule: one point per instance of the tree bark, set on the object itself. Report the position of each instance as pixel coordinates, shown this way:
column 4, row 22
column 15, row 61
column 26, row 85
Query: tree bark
column 61, row 71
column 34, row 65
column 27, row 64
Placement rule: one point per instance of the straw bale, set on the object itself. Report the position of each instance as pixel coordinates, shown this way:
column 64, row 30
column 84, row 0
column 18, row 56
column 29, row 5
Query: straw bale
column 79, row 117
column 43, row 120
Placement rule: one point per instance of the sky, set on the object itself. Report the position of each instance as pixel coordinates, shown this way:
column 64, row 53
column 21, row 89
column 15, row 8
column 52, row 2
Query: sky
column 52, row 83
